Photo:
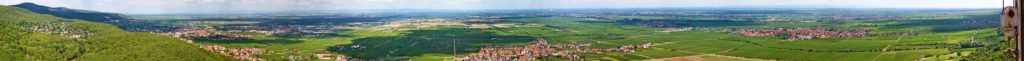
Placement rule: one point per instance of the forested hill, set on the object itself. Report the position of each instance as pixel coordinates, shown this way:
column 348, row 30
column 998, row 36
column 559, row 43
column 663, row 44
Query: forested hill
column 73, row 13
column 28, row 36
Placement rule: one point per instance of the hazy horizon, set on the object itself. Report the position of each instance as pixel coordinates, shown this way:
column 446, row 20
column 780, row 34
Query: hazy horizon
column 220, row 6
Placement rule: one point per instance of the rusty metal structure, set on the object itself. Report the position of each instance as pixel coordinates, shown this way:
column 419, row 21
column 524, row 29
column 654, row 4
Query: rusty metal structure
column 1011, row 20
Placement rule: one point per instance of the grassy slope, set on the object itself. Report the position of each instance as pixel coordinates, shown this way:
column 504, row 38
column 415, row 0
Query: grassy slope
column 107, row 43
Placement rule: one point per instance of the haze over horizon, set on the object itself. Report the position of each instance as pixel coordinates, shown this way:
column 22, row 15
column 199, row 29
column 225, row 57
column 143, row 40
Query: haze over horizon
column 220, row 6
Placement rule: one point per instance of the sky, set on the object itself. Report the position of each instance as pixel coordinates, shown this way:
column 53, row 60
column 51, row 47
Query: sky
column 214, row 6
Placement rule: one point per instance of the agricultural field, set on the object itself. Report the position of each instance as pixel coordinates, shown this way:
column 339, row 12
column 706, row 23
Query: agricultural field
column 502, row 30
column 751, row 35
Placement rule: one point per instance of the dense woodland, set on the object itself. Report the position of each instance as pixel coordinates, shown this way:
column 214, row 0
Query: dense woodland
column 29, row 36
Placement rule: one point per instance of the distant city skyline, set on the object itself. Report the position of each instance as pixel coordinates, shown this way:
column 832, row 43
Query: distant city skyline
column 215, row 6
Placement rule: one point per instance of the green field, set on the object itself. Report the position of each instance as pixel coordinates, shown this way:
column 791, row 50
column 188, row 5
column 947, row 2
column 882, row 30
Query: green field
column 441, row 43
column 33, row 32
column 947, row 37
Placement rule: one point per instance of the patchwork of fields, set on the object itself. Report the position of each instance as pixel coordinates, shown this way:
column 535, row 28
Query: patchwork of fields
column 966, row 36
column 36, row 32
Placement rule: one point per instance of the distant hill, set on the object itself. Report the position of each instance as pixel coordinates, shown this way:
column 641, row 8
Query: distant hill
column 28, row 36
column 73, row 13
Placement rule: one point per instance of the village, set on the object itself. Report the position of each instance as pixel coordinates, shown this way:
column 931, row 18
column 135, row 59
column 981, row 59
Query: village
column 540, row 48
column 800, row 33
column 61, row 30
column 246, row 54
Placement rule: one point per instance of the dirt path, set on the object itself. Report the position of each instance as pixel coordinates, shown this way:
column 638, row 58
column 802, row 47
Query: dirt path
column 609, row 58
column 683, row 58
column 701, row 55
column 886, row 49
column 602, row 42
column 702, row 58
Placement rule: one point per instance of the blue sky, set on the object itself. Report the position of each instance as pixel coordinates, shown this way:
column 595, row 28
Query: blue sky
column 212, row 6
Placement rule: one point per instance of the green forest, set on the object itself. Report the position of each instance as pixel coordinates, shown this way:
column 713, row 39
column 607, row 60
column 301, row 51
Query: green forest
column 29, row 36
